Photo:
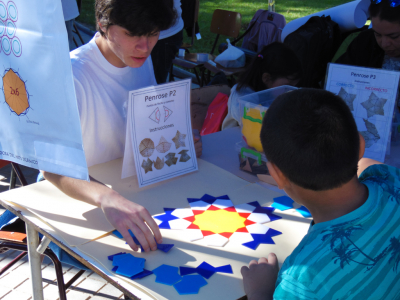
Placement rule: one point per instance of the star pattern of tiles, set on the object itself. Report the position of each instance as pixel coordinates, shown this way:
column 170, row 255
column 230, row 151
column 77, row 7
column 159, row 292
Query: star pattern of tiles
column 217, row 221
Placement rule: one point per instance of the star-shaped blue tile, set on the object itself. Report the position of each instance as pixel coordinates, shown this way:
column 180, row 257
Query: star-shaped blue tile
column 206, row 270
column 190, row 284
column 163, row 247
column 262, row 239
column 166, row 217
column 166, row 274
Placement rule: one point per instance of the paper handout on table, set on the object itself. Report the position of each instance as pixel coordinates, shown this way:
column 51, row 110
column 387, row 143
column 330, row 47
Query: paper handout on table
column 371, row 96
column 40, row 125
column 159, row 143
column 349, row 16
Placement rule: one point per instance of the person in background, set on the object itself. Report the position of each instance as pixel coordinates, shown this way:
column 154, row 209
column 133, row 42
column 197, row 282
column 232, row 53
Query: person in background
column 71, row 12
column 167, row 46
column 351, row 250
column 275, row 65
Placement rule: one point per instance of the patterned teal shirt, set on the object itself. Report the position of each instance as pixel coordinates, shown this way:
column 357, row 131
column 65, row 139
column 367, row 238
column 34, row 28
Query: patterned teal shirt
column 356, row 256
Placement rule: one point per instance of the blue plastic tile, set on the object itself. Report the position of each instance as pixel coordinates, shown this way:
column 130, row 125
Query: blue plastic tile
column 255, row 204
column 142, row 274
column 304, row 212
column 167, row 275
column 128, row 265
column 111, row 257
column 283, row 203
column 206, row 270
column 190, row 284
column 262, row 239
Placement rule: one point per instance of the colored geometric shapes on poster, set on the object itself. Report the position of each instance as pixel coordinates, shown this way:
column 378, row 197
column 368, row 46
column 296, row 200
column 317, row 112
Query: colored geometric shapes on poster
column 167, row 113
column 159, row 164
column 127, row 264
column 167, row 275
column 171, row 159
column 163, row 247
column 190, row 285
column 304, row 212
column 348, row 98
column 179, row 140
column 206, row 270
column 146, row 147
column 283, row 203
column 265, row 238
column 163, row 145
column 155, row 115
column 184, row 156
column 217, row 220
column 147, row 165
column 374, row 105
column 15, row 93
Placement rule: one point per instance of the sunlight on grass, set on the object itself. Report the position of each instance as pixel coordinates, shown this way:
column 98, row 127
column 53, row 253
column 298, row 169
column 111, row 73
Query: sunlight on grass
column 291, row 9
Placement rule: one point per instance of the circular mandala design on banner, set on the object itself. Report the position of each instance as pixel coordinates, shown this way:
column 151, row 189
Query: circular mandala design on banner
column 12, row 11
column 6, row 45
column 3, row 11
column 2, row 28
column 16, row 47
column 10, row 29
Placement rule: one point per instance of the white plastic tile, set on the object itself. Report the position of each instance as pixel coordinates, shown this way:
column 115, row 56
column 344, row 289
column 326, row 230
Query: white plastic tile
column 182, row 213
column 158, row 222
column 220, row 203
column 244, row 208
column 259, row 218
column 191, row 234
column 179, row 224
column 257, row 228
column 199, row 205
column 216, row 240
column 240, row 238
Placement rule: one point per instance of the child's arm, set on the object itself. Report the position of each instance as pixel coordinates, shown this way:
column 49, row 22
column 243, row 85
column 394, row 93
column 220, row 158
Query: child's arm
column 260, row 277
column 364, row 163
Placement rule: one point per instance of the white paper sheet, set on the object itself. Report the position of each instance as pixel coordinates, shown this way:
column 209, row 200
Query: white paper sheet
column 349, row 16
column 159, row 143
column 40, row 125
column 371, row 96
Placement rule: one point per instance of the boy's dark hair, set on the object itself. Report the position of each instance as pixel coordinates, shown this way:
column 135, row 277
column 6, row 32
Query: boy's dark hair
column 276, row 59
column 384, row 11
column 311, row 136
column 137, row 16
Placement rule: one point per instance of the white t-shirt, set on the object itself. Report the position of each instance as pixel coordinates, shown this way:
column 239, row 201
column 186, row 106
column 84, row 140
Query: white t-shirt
column 102, row 90
column 234, row 115
column 178, row 26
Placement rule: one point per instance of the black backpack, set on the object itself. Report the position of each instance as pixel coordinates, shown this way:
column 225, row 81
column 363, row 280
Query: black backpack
column 315, row 43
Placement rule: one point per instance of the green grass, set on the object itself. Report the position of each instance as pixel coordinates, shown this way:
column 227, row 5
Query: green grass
column 291, row 9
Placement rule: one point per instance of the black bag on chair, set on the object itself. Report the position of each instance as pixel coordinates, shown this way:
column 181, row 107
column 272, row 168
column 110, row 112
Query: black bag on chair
column 315, row 43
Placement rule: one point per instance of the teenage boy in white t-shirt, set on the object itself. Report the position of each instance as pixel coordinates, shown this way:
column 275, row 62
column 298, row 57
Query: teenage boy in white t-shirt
column 114, row 62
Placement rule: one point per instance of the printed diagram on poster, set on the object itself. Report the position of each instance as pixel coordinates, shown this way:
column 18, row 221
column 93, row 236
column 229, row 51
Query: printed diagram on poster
column 33, row 112
column 371, row 96
column 159, row 143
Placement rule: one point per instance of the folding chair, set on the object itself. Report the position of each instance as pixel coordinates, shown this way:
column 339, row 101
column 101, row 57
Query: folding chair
column 75, row 30
column 17, row 241
column 226, row 23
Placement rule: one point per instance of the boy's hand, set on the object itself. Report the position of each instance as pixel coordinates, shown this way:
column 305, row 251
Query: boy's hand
column 124, row 214
column 260, row 277
column 198, row 144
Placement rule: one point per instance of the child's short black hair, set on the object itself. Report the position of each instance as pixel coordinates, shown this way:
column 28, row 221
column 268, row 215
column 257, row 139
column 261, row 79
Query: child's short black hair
column 311, row 136
column 139, row 17
column 385, row 11
column 276, row 59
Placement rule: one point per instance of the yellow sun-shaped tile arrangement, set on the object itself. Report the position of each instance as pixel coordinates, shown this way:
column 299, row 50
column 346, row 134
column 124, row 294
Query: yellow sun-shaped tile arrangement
column 218, row 221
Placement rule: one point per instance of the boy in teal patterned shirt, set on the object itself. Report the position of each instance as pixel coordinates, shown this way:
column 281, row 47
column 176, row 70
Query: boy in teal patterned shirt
column 352, row 249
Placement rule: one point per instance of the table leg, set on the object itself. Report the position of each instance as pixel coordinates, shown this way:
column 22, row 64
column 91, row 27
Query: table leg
column 34, row 263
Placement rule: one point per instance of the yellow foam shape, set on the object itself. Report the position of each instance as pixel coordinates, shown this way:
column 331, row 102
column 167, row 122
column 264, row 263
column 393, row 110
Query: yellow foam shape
column 251, row 130
column 219, row 221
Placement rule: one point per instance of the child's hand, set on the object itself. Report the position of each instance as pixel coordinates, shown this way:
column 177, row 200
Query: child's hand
column 260, row 277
